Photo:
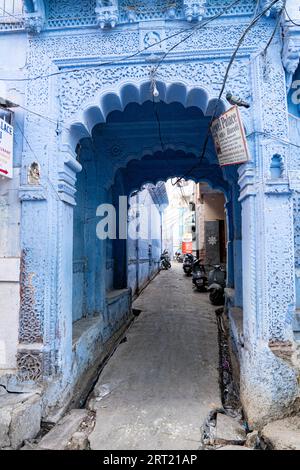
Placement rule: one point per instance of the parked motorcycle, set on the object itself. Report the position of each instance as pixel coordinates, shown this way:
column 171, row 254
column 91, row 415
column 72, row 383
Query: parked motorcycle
column 199, row 276
column 179, row 257
column 165, row 260
column 216, row 285
column 188, row 264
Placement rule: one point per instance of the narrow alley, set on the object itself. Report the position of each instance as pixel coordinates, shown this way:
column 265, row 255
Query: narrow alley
column 149, row 226
column 159, row 386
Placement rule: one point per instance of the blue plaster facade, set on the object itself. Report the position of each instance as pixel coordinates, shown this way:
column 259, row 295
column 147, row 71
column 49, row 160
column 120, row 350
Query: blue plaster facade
column 89, row 121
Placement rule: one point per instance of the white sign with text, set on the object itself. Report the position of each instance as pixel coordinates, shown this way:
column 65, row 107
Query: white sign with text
column 229, row 138
column 6, row 149
column 293, row 9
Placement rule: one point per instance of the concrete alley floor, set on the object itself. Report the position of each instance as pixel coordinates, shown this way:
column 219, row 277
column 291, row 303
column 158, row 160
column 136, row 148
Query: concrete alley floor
column 159, row 386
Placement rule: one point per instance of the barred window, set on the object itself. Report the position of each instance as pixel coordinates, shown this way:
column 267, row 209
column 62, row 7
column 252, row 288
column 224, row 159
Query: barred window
column 10, row 9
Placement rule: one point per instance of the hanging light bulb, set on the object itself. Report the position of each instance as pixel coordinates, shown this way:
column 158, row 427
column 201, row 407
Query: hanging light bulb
column 155, row 91
column 153, row 88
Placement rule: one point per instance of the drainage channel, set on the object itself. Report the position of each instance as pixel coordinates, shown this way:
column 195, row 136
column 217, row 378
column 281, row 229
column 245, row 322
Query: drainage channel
column 226, row 428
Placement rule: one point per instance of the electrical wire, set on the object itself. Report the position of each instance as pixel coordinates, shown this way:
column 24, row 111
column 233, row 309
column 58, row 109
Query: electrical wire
column 183, row 195
column 280, row 14
column 37, row 160
column 154, row 70
column 290, row 19
column 155, row 111
column 52, row 121
column 273, row 137
column 11, row 15
column 202, row 25
column 206, row 140
column 197, row 27
column 131, row 56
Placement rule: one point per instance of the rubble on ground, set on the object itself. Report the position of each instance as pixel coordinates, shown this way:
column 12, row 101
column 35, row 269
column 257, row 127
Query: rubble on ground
column 283, row 434
column 228, row 431
column 70, row 433
column 20, row 418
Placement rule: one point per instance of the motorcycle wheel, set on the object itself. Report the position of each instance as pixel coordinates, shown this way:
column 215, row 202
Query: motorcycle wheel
column 216, row 297
column 201, row 288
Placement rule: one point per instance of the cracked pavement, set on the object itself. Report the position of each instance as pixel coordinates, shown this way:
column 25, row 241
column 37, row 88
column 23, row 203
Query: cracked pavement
column 159, row 386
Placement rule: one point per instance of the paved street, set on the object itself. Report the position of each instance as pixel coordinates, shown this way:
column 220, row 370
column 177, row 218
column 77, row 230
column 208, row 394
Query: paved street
column 161, row 383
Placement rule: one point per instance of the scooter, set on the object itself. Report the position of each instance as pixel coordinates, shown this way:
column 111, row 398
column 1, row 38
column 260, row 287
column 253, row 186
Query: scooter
column 199, row 276
column 188, row 264
column 165, row 260
column 216, row 285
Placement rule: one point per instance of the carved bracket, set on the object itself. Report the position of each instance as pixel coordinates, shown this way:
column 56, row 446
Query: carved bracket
column 67, row 177
column 274, row 10
column 194, row 10
column 34, row 22
column 107, row 13
column 35, row 16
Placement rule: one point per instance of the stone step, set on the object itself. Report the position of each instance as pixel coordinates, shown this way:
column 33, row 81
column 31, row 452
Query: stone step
column 283, row 434
column 60, row 436
column 228, row 431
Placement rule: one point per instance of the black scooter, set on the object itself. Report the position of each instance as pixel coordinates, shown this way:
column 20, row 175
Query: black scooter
column 216, row 285
column 188, row 264
column 165, row 260
column 199, row 276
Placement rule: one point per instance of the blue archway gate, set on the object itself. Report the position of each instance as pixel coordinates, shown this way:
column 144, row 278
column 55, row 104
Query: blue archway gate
column 96, row 108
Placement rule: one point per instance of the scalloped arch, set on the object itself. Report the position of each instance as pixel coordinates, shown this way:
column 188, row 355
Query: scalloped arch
column 140, row 154
column 129, row 163
column 116, row 98
column 157, row 180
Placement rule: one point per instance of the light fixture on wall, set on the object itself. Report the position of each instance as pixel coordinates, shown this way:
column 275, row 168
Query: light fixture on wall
column 153, row 87
column 155, row 91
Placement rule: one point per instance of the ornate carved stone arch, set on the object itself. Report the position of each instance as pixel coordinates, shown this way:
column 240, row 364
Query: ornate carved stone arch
column 117, row 97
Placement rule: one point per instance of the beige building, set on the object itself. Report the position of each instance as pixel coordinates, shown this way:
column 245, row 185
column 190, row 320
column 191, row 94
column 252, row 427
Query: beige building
column 210, row 224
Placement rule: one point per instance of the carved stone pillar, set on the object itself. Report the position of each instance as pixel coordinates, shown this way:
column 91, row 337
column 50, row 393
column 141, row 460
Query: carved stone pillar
column 45, row 331
column 268, row 378
column 67, row 170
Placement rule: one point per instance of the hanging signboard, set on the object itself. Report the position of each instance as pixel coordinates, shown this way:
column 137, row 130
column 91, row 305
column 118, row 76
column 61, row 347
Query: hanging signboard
column 187, row 247
column 6, row 149
column 293, row 10
column 229, row 138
